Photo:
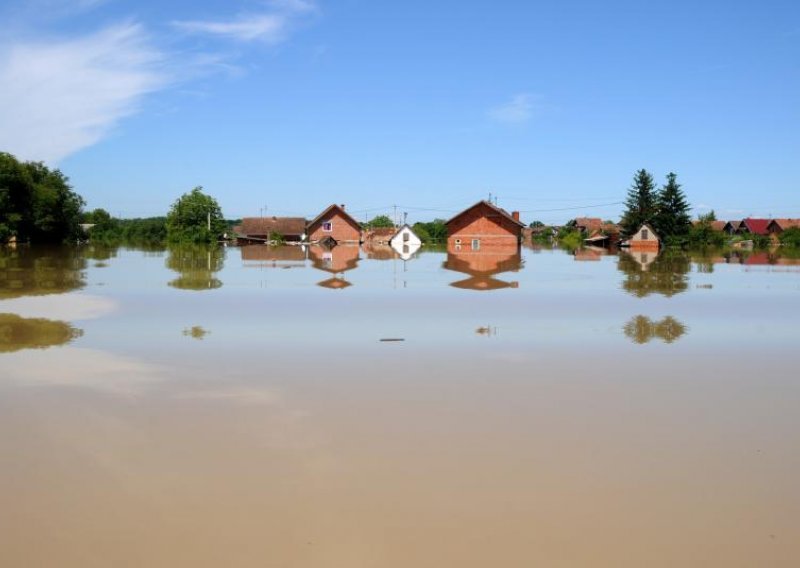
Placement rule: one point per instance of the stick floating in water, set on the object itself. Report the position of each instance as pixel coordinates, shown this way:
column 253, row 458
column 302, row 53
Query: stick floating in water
column 386, row 339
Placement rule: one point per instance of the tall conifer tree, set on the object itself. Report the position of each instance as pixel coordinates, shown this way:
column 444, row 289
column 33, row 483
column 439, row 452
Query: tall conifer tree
column 641, row 204
column 672, row 219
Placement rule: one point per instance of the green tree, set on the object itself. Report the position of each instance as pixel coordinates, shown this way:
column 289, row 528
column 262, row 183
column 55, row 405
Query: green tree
column 536, row 224
column 195, row 218
column 379, row 222
column 640, row 205
column 672, row 219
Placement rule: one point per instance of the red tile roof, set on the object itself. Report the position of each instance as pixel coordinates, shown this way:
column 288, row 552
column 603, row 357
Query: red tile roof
column 756, row 226
column 492, row 206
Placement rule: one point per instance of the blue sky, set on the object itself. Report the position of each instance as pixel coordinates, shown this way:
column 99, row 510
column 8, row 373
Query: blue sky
column 292, row 104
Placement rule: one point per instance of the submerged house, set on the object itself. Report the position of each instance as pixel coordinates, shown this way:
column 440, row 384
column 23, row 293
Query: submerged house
column 777, row 226
column 482, row 266
column 484, row 225
column 262, row 229
column 645, row 239
column 334, row 224
column 754, row 226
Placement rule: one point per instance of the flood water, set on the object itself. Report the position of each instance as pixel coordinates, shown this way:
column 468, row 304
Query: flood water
column 241, row 407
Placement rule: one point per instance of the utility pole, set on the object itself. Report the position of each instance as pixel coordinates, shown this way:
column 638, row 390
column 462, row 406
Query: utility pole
column 405, row 217
column 209, row 221
column 394, row 220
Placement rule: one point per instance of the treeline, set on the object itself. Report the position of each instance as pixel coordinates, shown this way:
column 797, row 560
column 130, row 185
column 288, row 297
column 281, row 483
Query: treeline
column 37, row 204
column 109, row 230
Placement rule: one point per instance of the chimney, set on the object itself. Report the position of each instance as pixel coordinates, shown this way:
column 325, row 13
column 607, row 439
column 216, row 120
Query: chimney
column 515, row 215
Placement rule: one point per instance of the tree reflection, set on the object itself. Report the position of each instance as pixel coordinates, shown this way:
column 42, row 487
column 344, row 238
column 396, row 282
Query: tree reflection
column 196, row 266
column 36, row 271
column 650, row 273
column 641, row 329
column 17, row 333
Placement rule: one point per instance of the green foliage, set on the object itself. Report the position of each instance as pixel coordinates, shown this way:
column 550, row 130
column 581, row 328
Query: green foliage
column 641, row 203
column 40, row 270
column 703, row 234
column 790, row 237
column 36, row 203
column 195, row 218
column 379, row 222
column 672, row 218
column 570, row 238
column 17, row 333
column 667, row 274
column 432, row 232
column 130, row 231
column 536, row 225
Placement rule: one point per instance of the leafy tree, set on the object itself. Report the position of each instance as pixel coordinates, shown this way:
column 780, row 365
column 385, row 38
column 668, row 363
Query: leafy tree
column 379, row 222
column 195, row 218
column 709, row 217
column 536, row 225
column 641, row 203
column 432, row 232
column 36, row 203
column 790, row 237
column 702, row 234
column 672, row 219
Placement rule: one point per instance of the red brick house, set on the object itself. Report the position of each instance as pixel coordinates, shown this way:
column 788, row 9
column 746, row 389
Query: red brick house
column 484, row 226
column 336, row 224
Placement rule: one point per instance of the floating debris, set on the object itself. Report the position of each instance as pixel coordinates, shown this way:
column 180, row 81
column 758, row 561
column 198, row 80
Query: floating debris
column 195, row 332
column 391, row 339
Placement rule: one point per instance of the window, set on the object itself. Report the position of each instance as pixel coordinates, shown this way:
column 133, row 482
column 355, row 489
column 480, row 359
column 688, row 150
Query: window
column 406, row 237
column 476, row 244
column 645, row 234
column 405, row 249
column 327, row 226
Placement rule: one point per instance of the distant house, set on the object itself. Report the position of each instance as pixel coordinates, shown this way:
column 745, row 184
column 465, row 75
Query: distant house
column 731, row 227
column 334, row 223
column 645, row 239
column 715, row 225
column 589, row 225
column 777, row 226
column 484, row 225
column 379, row 235
column 754, row 226
column 260, row 229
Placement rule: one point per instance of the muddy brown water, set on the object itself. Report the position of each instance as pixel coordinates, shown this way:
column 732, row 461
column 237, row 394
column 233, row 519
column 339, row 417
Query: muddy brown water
column 237, row 407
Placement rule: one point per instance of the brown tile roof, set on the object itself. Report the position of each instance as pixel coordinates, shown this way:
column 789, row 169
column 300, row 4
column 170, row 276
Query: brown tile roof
column 784, row 224
column 286, row 226
column 718, row 225
column 589, row 224
column 492, row 206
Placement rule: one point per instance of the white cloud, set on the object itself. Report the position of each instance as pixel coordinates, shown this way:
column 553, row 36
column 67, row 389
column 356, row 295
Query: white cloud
column 61, row 96
column 520, row 109
column 270, row 27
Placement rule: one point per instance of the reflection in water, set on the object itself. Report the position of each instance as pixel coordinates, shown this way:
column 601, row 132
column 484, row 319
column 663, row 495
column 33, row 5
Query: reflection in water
column 642, row 329
column 197, row 266
column 195, row 332
column 17, row 333
column 35, row 271
column 650, row 273
column 335, row 260
column 264, row 256
column 482, row 264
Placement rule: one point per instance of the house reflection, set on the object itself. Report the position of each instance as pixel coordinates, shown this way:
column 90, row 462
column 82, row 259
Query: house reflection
column 665, row 273
column 197, row 267
column 641, row 329
column 263, row 256
column 482, row 263
column 335, row 260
